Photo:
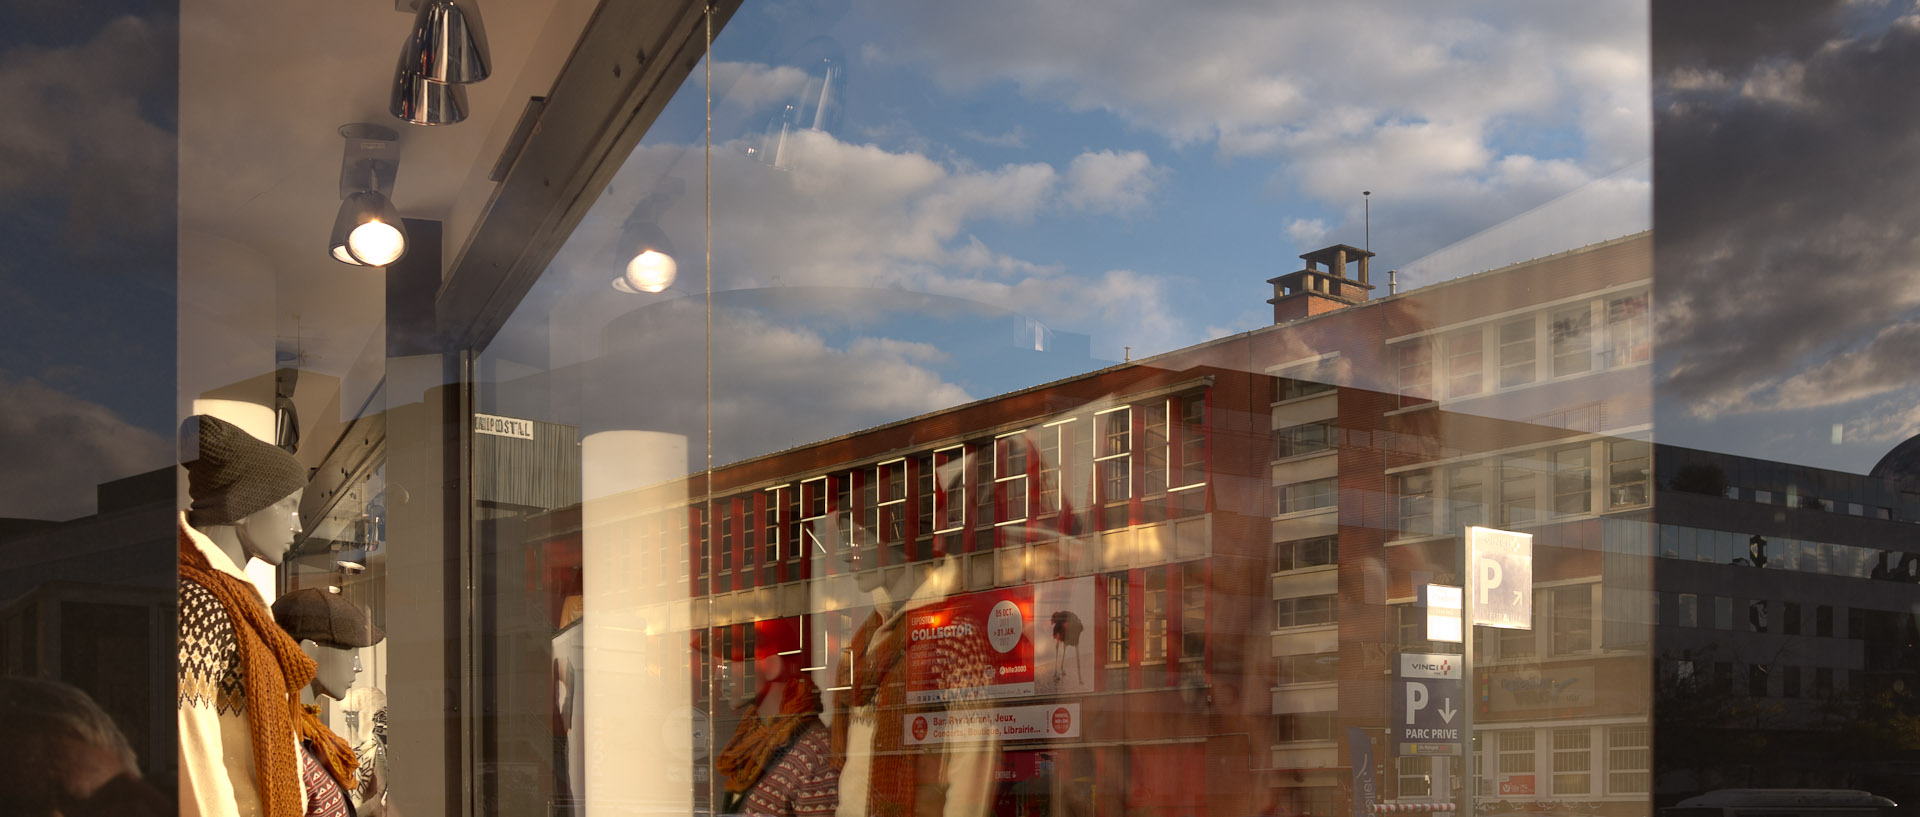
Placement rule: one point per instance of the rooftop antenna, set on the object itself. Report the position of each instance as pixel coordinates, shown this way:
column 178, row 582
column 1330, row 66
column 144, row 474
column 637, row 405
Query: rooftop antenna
column 1366, row 203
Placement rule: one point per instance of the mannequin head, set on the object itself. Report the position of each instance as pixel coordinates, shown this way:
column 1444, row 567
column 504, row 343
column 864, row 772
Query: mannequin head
column 330, row 630
column 338, row 666
column 268, row 533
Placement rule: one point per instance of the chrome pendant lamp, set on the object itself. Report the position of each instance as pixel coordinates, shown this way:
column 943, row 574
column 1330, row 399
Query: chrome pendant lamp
column 448, row 44
column 445, row 49
column 421, row 101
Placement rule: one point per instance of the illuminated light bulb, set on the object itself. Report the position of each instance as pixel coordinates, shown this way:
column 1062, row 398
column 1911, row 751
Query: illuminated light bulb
column 376, row 243
column 340, row 254
column 650, row 271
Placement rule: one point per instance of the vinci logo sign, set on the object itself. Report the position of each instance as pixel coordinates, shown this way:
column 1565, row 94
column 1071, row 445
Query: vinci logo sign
column 1429, row 666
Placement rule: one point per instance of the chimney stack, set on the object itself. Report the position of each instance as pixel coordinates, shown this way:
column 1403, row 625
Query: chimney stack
column 1315, row 291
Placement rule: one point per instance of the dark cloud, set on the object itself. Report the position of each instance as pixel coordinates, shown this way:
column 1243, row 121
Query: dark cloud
column 1729, row 36
column 1784, row 216
column 58, row 448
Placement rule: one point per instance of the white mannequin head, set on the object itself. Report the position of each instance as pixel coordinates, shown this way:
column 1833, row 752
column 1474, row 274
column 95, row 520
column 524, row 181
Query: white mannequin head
column 268, row 533
column 338, row 666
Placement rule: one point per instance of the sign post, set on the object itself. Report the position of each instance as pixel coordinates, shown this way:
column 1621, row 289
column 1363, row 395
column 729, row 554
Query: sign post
column 1428, row 706
column 1499, row 585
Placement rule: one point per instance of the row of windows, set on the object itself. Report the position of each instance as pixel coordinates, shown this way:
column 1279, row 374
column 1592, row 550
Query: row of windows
column 1519, row 490
column 1519, row 351
column 1524, row 764
column 1785, row 681
column 1727, row 547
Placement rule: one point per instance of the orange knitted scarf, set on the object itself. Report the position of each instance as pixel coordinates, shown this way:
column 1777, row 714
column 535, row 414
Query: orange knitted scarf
column 273, row 669
column 757, row 739
column 333, row 751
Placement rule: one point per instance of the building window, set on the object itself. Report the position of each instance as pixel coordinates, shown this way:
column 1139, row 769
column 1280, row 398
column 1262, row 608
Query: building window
column 1153, row 465
column 1414, row 776
column 1307, row 496
column 950, row 489
column 1193, row 439
column 1307, row 438
column 1413, row 364
column 1757, row 680
column 1466, row 497
column 890, row 507
column 794, row 524
column 1290, row 388
column 1313, row 668
column 1789, row 682
column 984, row 462
column 1117, row 619
column 1010, row 474
column 1516, row 353
column 1517, row 644
column 726, row 536
column 1572, row 761
column 1629, row 463
column 1303, row 553
column 1465, row 362
column 773, row 531
column 1193, row 612
column 1629, row 760
column 1572, row 481
column 1572, row 619
column 1790, row 618
column 1303, row 611
column 1572, row 341
column 1513, row 755
column 924, row 493
column 1415, row 503
column 1823, row 682
column 1689, row 610
column 1823, row 620
column 1299, row 726
column 1050, row 438
column 1629, row 331
column 1722, row 613
column 1518, row 488
column 1757, row 615
column 706, row 547
column 1154, row 617
column 1115, row 460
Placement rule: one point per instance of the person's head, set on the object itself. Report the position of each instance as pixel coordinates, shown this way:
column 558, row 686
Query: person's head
column 57, row 747
column 331, row 630
column 239, row 480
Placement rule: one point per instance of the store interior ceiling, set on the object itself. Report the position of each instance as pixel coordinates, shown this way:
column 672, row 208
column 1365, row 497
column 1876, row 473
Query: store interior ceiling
column 264, row 89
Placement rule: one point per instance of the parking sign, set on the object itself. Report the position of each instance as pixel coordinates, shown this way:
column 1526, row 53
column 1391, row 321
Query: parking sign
column 1500, row 578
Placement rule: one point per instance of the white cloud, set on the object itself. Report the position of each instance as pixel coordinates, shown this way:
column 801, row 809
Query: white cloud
column 1307, row 232
column 750, row 85
column 60, row 447
column 1014, row 138
column 1454, row 116
column 1110, row 182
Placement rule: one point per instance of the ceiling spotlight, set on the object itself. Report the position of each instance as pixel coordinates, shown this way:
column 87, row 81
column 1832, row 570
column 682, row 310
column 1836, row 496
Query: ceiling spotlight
column 421, row 101
column 368, row 231
column 447, row 44
column 350, row 560
column 649, row 259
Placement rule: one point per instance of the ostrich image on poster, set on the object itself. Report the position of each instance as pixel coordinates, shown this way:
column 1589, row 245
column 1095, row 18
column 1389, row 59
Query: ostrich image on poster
column 1064, row 648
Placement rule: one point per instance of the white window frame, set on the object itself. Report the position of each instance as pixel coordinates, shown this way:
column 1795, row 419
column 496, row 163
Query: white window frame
column 1176, row 454
column 775, row 540
column 945, row 497
column 1101, row 435
column 1615, row 768
column 1477, row 337
column 1553, row 348
column 1531, row 344
column 1003, row 483
column 1554, row 753
column 822, row 489
column 882, row 477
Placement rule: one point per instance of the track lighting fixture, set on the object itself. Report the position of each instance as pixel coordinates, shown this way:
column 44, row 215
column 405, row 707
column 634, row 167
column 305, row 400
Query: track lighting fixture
column 421, row 101
column 368, row 231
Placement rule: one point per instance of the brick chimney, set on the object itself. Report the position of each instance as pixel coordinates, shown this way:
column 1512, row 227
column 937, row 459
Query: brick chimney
column 1323, row 286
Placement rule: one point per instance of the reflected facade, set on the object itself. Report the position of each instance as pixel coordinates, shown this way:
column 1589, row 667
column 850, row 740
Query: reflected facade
column 882, row 409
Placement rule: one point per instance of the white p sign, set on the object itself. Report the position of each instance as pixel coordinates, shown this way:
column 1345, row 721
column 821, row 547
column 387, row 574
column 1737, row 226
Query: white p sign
column 1501, row 573
column 1416, row 700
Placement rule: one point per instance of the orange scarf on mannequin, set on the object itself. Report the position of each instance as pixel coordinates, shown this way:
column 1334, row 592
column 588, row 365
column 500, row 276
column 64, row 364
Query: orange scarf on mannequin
column 273, row 669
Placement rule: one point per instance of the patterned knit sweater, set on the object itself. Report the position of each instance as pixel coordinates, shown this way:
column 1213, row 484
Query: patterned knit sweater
column 803, row 783
column 216, row 739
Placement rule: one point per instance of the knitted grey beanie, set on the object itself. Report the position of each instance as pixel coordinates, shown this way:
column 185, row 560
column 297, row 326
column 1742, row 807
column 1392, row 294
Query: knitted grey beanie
column 233, row 474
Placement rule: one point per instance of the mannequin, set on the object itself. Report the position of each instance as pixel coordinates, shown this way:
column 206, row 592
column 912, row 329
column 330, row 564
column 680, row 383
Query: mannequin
column 331, row 630
column 880, row 775
column 238, row 673
column 778, row 762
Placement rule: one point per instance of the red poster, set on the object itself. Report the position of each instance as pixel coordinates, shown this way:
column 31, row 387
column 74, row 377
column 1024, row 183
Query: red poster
column 977, row 645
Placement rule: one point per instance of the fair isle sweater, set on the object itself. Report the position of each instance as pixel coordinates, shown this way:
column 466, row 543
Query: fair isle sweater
column 802, row 783
column 216, row 739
